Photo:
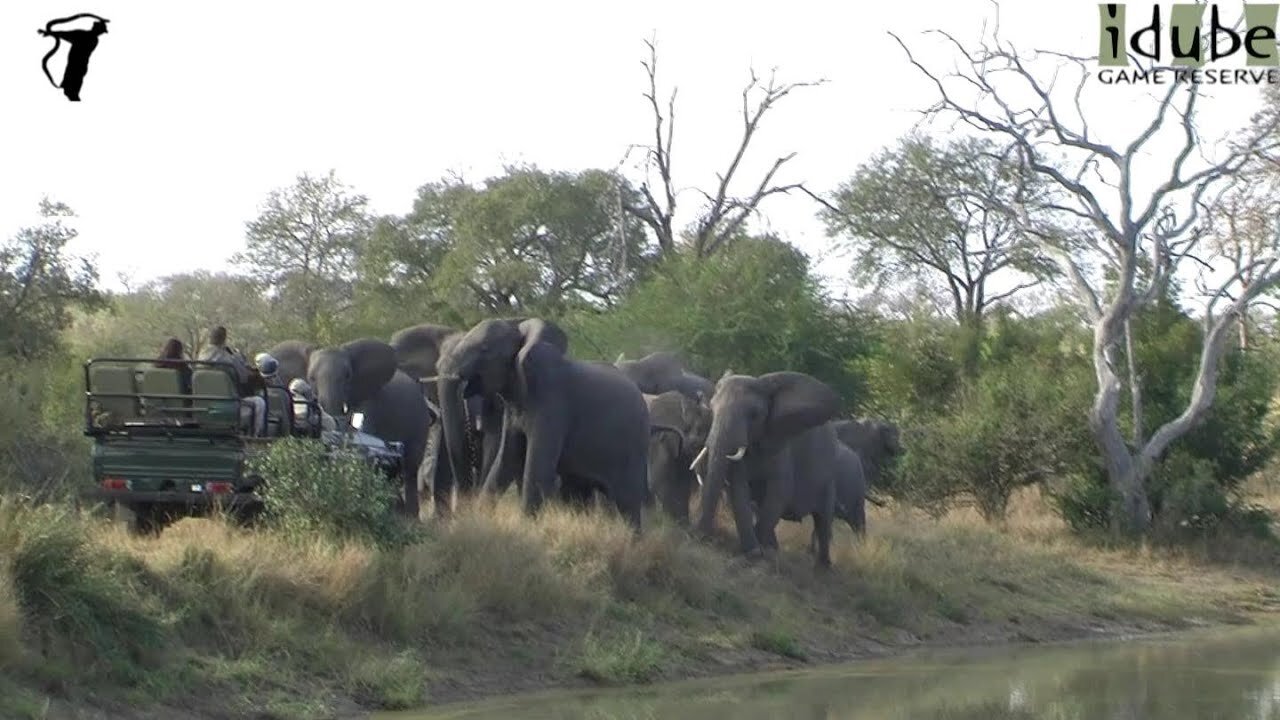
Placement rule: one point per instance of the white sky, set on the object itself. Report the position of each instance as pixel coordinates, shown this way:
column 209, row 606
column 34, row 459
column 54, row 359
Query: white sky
column 193, row 112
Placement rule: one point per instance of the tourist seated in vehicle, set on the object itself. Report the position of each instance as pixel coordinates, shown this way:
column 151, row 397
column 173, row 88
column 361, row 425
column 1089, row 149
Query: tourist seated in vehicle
column 306, row 409
column 253, row 406
column 175, row 354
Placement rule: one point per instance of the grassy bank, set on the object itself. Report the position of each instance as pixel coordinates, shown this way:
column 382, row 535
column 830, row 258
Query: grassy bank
column 210, row 621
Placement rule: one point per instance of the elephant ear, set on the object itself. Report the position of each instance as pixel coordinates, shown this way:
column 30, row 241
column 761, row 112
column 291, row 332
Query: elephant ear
column 797, row 402
column 539, row 330
column 373, row 363
column 544, row 344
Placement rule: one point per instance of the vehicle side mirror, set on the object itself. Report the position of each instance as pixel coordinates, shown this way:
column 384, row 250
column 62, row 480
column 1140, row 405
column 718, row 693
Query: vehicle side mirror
column 357, row 420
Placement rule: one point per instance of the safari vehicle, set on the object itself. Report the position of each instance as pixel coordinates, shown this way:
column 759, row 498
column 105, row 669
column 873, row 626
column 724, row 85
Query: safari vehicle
column 169, row 442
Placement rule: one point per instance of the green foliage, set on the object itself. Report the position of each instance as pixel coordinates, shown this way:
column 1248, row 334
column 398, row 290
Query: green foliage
column 529, row 242
column 184, row 306
column 925, row 210
column 617, row 660
column 1014, row 417
column 44, row 455
column 1194, row 489
column 753, row 308
column 304, row 245
column 81, row 598
column 311, row 492
column 41, row 283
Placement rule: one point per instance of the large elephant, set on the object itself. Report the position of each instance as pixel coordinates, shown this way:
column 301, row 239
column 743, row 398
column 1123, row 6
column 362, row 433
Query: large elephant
column 418, row 351
column 585, row 422
column 877, row 442
column 678, row 432
column 663, row 371
column 361, row 376
column 770, row 443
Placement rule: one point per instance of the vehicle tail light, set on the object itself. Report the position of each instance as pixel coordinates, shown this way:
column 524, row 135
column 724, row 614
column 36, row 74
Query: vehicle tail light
column 115, row 484
column 219, row 488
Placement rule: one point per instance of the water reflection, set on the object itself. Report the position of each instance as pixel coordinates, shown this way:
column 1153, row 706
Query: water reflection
column 1234, row 675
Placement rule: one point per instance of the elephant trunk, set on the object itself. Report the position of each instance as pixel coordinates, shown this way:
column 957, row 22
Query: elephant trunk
column 453, row 423
column 332, row 397
column 723, row 441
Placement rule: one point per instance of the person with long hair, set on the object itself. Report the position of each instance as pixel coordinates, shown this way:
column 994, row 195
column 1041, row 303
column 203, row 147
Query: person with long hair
column 172, row 355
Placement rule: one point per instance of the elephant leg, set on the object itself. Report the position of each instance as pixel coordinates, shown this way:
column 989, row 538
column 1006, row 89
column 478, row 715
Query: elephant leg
column 544, row 443
column 439, row 474
column 822, row 533
column 858, row 519
column 740, row 497
column 576, row 492
column 675, row 501
column 630, row 494
column 770, row 511
column 511, row 451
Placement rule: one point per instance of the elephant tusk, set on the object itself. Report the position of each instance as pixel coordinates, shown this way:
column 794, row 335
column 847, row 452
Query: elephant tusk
column 738, row 455
column 694, row 465
column 699, row 476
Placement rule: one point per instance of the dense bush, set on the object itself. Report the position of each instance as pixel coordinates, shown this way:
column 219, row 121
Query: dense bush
column 43, row 452
column 986, row 410
column 1195, row 489
column 309, row 491
column 752, row 308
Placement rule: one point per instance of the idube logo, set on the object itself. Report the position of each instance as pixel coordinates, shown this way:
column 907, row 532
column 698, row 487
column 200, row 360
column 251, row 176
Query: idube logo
column 82, row 44
column 1179, row 49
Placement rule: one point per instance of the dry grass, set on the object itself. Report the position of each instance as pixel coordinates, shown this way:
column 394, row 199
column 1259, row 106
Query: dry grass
column 276, row 621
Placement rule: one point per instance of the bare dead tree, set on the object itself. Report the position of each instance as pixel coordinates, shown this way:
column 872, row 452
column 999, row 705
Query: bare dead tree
column 723, row 213
column 1244, row 223
column 1134, row 234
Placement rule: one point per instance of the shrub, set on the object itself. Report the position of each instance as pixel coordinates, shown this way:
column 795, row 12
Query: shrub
column 10, row 623
column 310, row 491
column 753, row 307
column 616, row 660
column 1010, row 427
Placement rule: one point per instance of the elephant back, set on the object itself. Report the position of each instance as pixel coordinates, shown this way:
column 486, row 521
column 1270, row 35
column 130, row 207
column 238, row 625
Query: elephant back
column 292, row 357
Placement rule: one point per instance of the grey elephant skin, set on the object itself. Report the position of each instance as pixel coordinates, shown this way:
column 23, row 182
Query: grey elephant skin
column 850, row 491
column 664, row 371
column 582, row 421
column 678, row 432
column 362, row 376
column 771, row 445
column 292, row 357
column 418, row 351
column 461, row 399
column 877, row 442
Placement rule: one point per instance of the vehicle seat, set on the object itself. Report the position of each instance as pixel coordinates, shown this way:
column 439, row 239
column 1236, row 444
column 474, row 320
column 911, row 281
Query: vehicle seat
column 161, row 391
column 112, row 411
column 279, row 412
column 216, row 402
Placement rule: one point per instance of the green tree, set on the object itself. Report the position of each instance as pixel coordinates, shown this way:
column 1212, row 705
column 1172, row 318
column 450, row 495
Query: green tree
column 184, row 306
column 936, row 210
column 753, row 308
column 303, row 247
column 527, row 241
column 41, row 283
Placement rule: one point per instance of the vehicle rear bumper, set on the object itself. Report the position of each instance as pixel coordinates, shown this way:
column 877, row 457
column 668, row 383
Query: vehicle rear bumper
column 240, row 500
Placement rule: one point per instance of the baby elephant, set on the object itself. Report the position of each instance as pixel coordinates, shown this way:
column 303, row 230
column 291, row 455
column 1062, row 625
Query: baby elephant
column 870, row 446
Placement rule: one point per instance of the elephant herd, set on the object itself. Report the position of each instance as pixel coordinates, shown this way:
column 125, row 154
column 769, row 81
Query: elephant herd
column 504, row 403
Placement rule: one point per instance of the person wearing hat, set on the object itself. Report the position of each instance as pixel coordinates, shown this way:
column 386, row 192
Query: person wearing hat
column 253, row 407
column 305, row 406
